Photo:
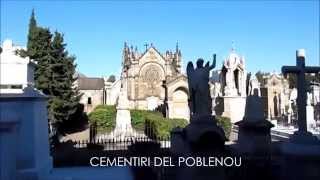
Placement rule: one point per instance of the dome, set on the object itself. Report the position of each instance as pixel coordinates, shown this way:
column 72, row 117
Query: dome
column 233, row 59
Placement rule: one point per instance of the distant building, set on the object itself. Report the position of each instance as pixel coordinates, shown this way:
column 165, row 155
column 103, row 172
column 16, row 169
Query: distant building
column 16, row 72
column 275, row 94
column 92, row 90
column 155, row 80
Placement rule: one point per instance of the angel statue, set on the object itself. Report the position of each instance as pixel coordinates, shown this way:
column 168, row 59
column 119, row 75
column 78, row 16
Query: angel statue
column 199, row 93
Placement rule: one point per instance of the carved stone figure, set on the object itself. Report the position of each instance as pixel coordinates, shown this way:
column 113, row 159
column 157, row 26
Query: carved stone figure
column 199, row 94
column 254, row 85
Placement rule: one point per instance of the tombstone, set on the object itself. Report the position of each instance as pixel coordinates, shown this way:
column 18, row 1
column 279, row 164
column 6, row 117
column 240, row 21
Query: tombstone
column 289, row 114
column 254, row 140
column 29, row 111
column 310, row 113
column 254, row 85
column 254, row 129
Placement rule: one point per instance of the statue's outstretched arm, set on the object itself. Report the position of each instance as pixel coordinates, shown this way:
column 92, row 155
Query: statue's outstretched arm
column 213, row 62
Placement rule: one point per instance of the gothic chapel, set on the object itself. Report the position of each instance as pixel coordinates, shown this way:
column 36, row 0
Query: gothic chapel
column 155, row 80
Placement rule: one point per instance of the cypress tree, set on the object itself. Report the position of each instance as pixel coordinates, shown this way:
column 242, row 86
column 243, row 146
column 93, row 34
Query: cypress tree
column 54, row 71
column 65, row 97
column 32, row 36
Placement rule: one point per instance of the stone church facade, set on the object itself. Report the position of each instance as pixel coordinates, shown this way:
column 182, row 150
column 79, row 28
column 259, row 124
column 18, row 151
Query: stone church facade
column 155, row 79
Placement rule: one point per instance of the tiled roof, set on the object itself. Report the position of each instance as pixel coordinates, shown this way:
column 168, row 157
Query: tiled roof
column 85, row 83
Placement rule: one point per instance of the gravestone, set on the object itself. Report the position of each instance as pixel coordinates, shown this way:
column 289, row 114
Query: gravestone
column 310, row 113
column 254, row 139
column 254, row 130
column 254, row 85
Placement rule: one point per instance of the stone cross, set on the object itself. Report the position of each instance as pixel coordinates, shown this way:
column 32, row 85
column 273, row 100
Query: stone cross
column 146, row 45
column 300, row 69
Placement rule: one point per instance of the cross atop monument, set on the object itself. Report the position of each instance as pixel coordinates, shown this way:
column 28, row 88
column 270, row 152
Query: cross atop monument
column 233, row 46
column 300, row 69
column 146, row 45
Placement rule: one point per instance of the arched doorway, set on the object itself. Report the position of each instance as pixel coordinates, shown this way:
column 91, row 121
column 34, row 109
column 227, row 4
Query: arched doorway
column 180, row 106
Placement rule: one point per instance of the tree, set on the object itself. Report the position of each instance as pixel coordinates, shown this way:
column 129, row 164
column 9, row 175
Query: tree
column 54, row 71
column 32, row 39
column 65, row 97
column 260, row 77
column 112, row 78
column 292, row 79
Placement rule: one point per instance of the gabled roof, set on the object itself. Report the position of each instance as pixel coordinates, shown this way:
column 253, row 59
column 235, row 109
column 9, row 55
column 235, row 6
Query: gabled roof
column 151, row 47
column 85, row 83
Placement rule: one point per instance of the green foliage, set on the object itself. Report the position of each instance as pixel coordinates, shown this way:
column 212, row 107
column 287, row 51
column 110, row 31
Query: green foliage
column 292, row 79
column 225, row 123
column 104, row 117
column 53, row 72
column 111, row 78
column 160, row 127
column 138, row 118
column 260, row 77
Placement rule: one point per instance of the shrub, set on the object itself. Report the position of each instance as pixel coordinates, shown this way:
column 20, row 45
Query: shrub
column 138, row 118
column 142, row 120
column 225, row 123
column 160, row 127
column 104, row 117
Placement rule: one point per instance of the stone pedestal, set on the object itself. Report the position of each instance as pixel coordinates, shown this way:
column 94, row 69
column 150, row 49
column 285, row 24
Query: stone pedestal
column 201, row 138
column 33, row 155
column 234, row 107
column 310, row 117
column 123, row 124
column 123, row 127
column 8, row 149
column 254, row 130
column 201, row 131
column 254, row 137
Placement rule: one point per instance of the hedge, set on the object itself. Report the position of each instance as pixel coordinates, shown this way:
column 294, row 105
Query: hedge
column 104, row 117
column 160, row 127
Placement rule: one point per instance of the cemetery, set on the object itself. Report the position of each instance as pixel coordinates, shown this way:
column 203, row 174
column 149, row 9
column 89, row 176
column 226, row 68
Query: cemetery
column 160, row 120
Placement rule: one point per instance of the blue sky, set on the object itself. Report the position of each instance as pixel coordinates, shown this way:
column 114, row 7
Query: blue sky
column 267, row 33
